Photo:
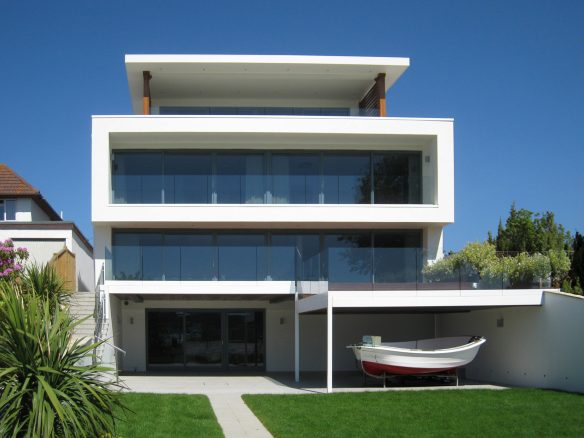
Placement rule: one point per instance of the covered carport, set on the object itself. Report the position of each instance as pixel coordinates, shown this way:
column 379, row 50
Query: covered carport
column 332, row 303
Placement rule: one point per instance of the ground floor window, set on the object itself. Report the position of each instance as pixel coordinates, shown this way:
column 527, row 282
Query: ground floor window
column 205, row 339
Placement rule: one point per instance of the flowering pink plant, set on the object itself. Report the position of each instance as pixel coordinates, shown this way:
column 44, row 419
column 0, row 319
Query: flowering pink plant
column 11, row 259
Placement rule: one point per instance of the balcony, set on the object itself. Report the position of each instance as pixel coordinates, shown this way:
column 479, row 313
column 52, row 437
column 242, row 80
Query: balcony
column 285, row 262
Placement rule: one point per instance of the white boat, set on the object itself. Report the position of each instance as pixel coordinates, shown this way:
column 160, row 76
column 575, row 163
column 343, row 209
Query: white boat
column 424, row 356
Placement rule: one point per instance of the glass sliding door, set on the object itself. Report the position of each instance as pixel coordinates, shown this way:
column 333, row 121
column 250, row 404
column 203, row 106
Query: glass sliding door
column 347, row 178
column 205, row 339
column 165, row 339
column 245, row 339
column 240, row 179
column 295, row 178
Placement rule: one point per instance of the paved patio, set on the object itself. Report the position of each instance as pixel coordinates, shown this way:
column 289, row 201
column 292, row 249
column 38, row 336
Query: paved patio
column 278, row 383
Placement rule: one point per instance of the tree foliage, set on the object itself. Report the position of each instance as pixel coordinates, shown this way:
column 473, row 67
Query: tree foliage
column 525, row 231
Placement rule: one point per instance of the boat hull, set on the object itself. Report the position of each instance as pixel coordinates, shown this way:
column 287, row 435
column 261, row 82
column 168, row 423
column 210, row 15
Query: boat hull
column 417, row 357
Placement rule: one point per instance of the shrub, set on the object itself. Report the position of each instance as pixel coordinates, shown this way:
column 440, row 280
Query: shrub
column 44, row 391
column 11, row 260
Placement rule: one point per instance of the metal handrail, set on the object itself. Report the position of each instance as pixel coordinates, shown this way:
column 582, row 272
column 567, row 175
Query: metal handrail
column 111, row 345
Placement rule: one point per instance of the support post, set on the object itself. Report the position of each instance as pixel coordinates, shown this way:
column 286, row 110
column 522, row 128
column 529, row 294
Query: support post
column 380, row 85
column 146, row 101
column 329, row 346
column 296, row 340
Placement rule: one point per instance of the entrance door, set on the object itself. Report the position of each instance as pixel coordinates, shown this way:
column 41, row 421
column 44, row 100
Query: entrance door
column 205, row 339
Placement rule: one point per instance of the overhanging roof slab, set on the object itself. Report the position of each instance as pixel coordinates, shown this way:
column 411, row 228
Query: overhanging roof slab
column 417, row 300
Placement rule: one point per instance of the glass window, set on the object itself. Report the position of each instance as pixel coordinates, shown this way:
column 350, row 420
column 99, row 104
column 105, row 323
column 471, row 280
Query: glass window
column 127, row 256
column 242, row 256
column 348, row 257
column 397, row 178
column 295, row 178
column 346, row 179
column 187, row 178
column 295, row 257
column 10, row 207
column 240, row 179
column 7, row 209
column 398, row 256
column 152, row 256
column 189, row 257
column 137, row 178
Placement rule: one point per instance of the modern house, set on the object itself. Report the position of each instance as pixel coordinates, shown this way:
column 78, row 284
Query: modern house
column 260, row 213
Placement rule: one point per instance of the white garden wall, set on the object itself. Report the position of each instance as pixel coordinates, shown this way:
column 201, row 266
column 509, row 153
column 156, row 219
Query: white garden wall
column 539, row 346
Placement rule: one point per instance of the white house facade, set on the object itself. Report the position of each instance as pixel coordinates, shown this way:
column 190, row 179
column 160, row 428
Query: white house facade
column 259, row 213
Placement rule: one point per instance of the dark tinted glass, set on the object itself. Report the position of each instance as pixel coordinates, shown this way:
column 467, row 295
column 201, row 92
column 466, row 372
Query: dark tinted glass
column 398, row 256
column 187, row 178
column 346, row 179
column 189, row 257
column 242, row 257
column 240, row 179
column 348, row 258
column 295, row 178
column 397, row 178
column 137, row 178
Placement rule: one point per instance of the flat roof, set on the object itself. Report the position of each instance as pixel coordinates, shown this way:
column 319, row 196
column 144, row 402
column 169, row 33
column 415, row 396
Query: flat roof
column 259, row 76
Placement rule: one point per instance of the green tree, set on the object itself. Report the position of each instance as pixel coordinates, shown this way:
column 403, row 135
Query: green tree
column 525, row 231
column 577, row 266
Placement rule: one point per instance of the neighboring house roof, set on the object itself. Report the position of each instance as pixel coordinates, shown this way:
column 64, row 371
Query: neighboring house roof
column 12, row 185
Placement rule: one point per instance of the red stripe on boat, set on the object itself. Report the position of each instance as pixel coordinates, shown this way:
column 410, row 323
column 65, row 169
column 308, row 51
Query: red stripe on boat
column 377, row 369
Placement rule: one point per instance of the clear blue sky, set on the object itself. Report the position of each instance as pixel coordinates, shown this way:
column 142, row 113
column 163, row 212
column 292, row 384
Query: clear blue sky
column 510, row 72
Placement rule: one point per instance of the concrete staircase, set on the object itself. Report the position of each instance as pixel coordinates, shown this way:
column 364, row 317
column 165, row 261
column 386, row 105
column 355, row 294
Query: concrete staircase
column 82, row 304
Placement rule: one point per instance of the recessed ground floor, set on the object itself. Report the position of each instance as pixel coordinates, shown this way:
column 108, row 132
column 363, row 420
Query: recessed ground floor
column 227, row 335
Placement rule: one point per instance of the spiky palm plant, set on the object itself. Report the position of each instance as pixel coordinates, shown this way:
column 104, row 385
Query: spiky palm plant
column 44, row 282
column 44, row 391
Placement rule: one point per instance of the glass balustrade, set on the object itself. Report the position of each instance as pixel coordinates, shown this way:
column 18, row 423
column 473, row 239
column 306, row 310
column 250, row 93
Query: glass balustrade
column 357, row 260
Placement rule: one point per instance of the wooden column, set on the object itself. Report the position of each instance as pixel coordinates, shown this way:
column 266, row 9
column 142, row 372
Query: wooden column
column 380, row 85
column 146, row 95
column 373, row 103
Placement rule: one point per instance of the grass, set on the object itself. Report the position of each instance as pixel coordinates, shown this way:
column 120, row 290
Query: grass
column 168, row 415
column 513, row 412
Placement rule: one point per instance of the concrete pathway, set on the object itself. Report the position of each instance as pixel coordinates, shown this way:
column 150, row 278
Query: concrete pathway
column 235, row 418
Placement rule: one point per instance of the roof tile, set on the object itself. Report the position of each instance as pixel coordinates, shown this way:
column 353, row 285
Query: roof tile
column 12, row 184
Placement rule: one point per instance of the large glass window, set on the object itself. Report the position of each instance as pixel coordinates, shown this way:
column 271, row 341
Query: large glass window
column 242, row 257
column 187, row 178
column 240, row 179
column 398, row 257
column 348, row 257
column 397, row 178
column 390, row 256
column 137, row 178
column 295, row 257
column 189, row 257
column 295, row 178
column 347, row 178
column 138, row 256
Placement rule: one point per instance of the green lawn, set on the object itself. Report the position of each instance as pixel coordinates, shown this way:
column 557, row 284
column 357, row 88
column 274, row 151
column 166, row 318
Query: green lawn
column 513, row 412
column 168, row 415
